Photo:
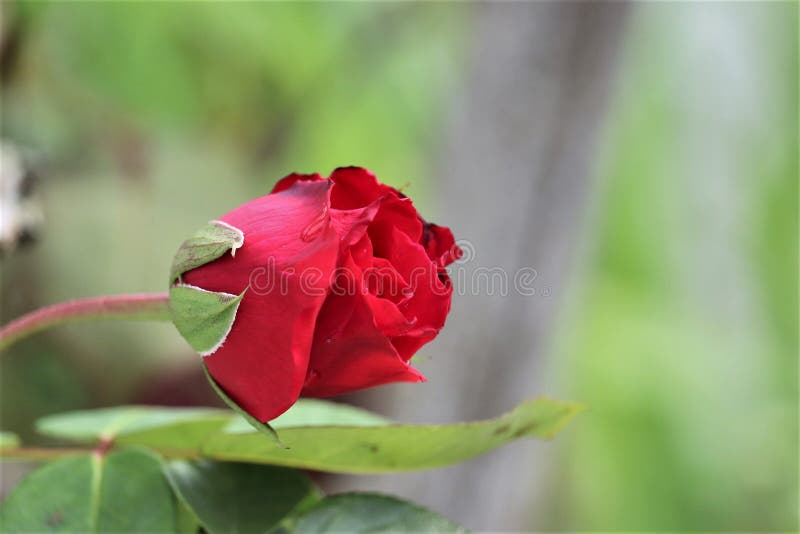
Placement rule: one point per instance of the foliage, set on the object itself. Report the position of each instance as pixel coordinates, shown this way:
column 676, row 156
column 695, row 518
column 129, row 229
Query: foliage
column 358, row 512
column 170, row 469
column 124, row 491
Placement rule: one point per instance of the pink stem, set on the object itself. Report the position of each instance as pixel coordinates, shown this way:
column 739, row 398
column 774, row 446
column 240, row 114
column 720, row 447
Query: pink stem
column 143, row 307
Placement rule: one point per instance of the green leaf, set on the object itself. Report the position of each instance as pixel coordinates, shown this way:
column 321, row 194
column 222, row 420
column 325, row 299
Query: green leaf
column 204, row 318
column 179, row 437
column 8, row 440
column 365, row 512
column 392, row 448
column 315, row 412
column 251, row 421
column 207, row 244
column 235, row 497
column 125, row 491
column 55, row 497
column 312, row 435
column 185, row 520
column 175, row 428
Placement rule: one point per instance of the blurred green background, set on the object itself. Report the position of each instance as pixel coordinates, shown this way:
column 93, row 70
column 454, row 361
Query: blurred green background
column 682, row 335
column 680, row 328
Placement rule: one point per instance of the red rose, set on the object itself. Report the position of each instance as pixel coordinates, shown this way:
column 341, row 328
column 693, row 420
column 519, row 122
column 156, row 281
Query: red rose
column 344, row 283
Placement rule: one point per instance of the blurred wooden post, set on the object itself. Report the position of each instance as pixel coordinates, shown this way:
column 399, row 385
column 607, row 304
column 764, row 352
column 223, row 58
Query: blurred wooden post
column 515, row 181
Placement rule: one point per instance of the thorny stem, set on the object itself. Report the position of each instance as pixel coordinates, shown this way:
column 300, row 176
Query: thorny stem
column 140, row 307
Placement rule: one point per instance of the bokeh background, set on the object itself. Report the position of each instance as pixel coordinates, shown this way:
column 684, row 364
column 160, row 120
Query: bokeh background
column 643, row 158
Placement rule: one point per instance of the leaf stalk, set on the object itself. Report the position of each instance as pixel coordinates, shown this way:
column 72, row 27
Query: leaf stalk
column 136, row 307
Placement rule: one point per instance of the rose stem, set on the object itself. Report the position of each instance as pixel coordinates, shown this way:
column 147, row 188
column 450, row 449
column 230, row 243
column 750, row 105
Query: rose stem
column 142, row 307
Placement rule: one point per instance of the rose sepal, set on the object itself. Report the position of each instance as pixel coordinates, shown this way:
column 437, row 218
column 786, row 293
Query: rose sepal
column 207, row 244
column 204, row 318
column 264, row 428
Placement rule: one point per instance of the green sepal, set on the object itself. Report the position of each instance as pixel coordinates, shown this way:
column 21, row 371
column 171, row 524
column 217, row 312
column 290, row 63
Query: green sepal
column 264, row 428
column 206, row 245
column 203, row 318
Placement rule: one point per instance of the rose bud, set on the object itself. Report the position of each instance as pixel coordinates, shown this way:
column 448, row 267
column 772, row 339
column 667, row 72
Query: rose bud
column 323, row 287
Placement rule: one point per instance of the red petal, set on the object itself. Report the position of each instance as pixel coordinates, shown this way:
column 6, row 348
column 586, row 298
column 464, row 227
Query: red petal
column 408, row 345
column 352, row 224
column 383, row 280
column 430, row 303
column 356, row 187
column 388, row 317
column 440, row 244
column 398, row 213
column 288, row 181
column 350, row 351
column 263, row 363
